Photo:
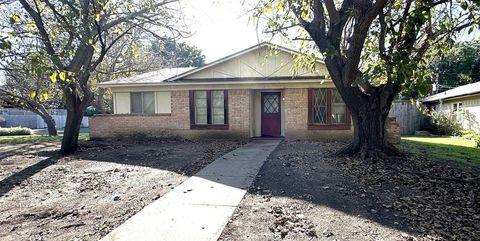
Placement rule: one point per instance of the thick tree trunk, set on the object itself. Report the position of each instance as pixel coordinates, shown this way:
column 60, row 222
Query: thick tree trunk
column 369, row 133
column 75, row 110
column 77, row 96
column 369, row 119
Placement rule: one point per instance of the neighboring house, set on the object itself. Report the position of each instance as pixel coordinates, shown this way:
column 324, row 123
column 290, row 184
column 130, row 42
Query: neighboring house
column 251, row 93
column 462, row 102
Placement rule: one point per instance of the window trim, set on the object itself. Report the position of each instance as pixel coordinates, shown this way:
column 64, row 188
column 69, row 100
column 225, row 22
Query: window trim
column 329, row 126
column 142, row 99
column 457, row 108
column 209, row 124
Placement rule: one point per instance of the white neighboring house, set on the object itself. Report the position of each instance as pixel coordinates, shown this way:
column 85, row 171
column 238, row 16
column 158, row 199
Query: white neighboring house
column 462, row 102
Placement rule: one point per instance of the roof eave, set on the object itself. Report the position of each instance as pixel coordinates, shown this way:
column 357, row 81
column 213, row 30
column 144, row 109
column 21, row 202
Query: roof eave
column 451, row 97
column 313, row 79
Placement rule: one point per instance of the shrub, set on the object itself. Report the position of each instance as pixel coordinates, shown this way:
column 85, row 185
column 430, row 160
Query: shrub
column 443, row 124
column 91, row 111
column 477, row 140
column 15, row 131
column 468, row 134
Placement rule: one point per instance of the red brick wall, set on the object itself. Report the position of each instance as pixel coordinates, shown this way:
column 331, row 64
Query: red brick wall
column 296, row 119
column 177, row 123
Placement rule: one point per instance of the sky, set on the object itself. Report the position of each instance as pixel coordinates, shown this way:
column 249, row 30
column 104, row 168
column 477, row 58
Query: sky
column 219, row 27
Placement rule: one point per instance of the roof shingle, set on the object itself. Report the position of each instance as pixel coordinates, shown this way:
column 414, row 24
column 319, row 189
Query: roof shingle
column 156, row 76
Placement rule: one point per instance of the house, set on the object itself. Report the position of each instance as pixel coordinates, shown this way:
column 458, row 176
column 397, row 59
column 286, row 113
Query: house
column 251, row 93
column 462, row 102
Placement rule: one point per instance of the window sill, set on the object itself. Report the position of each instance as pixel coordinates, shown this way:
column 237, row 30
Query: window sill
column 209, row 127
column 329, row 127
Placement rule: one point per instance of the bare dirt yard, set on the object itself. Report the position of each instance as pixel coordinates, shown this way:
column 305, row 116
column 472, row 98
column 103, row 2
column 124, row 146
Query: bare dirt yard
column 303, row 192
column 83, row 197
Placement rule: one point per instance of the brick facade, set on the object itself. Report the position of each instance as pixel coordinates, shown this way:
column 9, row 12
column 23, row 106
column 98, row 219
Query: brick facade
column 392, row 130
column 240, row 115
column 176, row 124
column 296, row 119
column 239, row 111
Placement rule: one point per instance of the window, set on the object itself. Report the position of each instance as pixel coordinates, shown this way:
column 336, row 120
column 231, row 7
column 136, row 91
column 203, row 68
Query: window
column 142, row 102
column 218, row 107
column 208, row 109
column 201, row 107
column 319, row 106
column 339, row 109
column 327, row 110
column 271, row 103
column 457, row 111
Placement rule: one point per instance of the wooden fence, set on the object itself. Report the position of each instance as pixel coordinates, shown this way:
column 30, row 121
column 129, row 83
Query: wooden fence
column 23, row 118
column 408, row 116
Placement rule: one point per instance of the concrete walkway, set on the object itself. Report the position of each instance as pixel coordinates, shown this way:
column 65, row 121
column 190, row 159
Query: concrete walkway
column 200, row 207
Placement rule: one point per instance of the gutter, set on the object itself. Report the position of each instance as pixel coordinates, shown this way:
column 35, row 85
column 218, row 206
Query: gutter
column 452, row 97
column 313, row 79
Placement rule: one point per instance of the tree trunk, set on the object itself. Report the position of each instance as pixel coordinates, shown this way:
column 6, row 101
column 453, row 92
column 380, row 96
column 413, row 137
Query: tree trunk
column 369, row 119
column 77, row 96
column 99, row 102
column 40, row 110
column 52, row 130
column 75, row 110
column 369, row 133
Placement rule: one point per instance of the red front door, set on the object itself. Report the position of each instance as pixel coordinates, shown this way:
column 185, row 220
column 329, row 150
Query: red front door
column 271, row 114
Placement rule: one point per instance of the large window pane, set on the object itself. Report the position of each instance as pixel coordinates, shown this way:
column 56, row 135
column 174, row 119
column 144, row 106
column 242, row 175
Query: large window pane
column 200, row 107
column 218, row 112
column 148, row 103
column 136, row 102
column 319, row 99
column 339, row 109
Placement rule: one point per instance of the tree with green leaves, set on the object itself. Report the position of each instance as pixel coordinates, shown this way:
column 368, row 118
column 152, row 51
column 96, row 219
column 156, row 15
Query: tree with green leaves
column 371, row 50
column 138, row 53
column 27, row 86
column 460, row 65
column 177, row 54
column 130, row 56
column 76, row 36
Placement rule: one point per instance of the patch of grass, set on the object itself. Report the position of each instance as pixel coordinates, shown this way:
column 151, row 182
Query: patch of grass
column 44, row 132
column 15, row 131
column 460, row 151
column 22, row 139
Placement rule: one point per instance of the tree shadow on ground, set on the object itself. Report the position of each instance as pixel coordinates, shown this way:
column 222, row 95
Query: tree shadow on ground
column 7, row 150
column 296, row 173
column 386, row 193
column 17, row 178
column 182, row 157
column 409, row 194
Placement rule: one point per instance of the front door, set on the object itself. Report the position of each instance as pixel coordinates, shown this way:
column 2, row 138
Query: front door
column 271, row 114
